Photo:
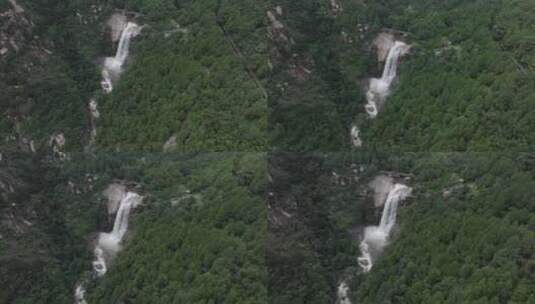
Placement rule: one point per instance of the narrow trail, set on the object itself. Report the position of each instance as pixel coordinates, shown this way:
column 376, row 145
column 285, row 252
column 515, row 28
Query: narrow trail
column 237, row 52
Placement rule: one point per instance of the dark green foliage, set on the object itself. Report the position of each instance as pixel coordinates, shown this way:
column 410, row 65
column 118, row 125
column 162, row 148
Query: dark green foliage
column 206, row 248
column 473, row 245
column 466, row 85
column 216, row 75
column 194, row 82
column 205, row 60
column 464, row 236
column 312, row 110
column 199, row 237
column 42, row 249
column 307, row 245
column 49, row 79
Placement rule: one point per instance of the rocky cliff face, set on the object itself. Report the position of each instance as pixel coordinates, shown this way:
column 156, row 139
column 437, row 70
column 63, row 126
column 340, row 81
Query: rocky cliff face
column 21, row 53
column 16, row 29
column 44, row 73
column 42, row 227
column 306, row 200
column 24, row 249
column 24, row 243
column 317, row 205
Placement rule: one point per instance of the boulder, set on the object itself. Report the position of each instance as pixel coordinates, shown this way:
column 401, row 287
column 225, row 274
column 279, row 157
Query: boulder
column 381, row 186
column 383, row 43
column 114, row 193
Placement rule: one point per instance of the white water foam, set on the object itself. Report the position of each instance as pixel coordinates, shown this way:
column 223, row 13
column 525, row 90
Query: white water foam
column 79, row 295
column 109, row 244
column 355, row 136
column 342, row 293
column 377, row 237
column 379, row 88
column 112, row 67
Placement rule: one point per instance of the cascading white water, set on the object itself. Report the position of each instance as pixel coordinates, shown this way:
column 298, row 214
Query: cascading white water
column 113, row 65
column 99, row 264
column 376, row 237
column 93, row 116
column 380, row 87
column 130, row 31
column 355, row 136
column 342, row 293
column 79, row 295
column 110, row 243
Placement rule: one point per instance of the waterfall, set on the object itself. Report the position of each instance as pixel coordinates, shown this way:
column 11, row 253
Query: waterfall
column 109, row 244
column 376, row 237
column 113, row 65
column 79, row 295
column 355, row 136
column 342, row 293
column 130, row 30
column 380, row 87
column 111, row 69
column 99, row 264
column 93, row 116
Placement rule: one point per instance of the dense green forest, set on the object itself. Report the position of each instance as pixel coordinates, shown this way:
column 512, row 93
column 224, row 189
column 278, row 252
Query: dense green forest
column 261, row 197
column 313, row 89
column 466, row 86
column 201, row 236
column 181, row 248
column 306, row 246
column 465, row 236
column 208, row 248
column 195, row 75
column 43, row 230
column 273, row 75
column 197, row 72
column 45, row 80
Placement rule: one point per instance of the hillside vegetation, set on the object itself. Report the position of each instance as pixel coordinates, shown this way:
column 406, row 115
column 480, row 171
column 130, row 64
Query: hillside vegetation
column 198, row 237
